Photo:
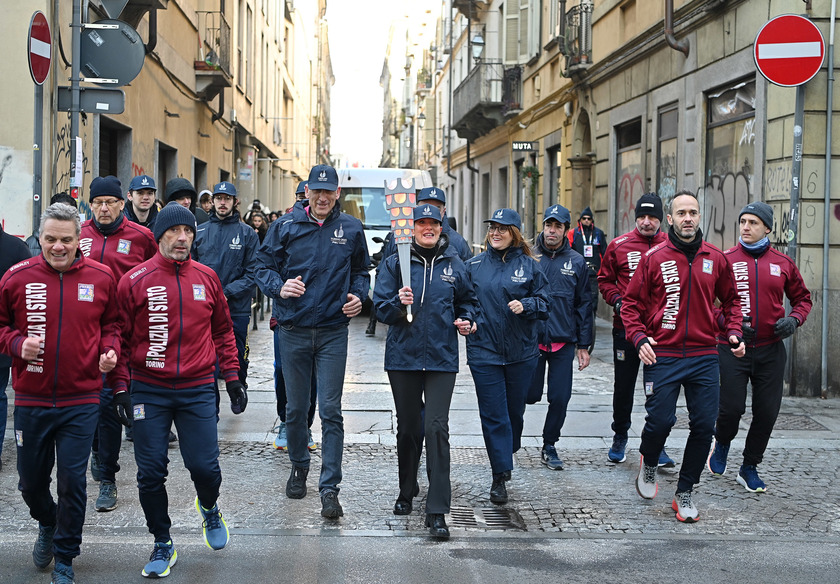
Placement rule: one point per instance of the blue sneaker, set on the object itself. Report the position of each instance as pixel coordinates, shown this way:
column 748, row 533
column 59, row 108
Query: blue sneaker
column 163, row 557
column 665, row 461
column 716, row 463
column 619, row 445
column 213, row 527
column 280, row 443
column 549, row 457
column 42, row 553
column 749, row 479
column 62, row 574
column 313, row 446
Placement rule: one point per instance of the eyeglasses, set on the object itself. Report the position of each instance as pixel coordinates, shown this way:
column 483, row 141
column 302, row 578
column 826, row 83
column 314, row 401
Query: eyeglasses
column 499, row 228
column 110, row 203
column 225, row 198
column 586, row 218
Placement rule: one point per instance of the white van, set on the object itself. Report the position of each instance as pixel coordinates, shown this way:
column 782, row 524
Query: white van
column 363, row 197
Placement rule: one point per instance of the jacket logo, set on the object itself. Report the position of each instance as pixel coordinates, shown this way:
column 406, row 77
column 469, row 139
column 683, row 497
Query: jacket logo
column 519, row 275
column 235, row 240
column 85, row 245
column 708, row 266
column 448, row 270
column 199, row 292
column 520, row 272
column 568, row 265
column 775, row 270
column 85, row 292
column 124, row 247
column 339, row 233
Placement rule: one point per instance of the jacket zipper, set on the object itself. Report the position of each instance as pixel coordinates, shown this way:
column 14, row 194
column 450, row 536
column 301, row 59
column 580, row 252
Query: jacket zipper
column 688, row 305
column 58, row 338
column 181, row 319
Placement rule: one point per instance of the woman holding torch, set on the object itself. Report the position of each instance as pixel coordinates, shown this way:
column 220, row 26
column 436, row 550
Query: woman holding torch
column 421, row 357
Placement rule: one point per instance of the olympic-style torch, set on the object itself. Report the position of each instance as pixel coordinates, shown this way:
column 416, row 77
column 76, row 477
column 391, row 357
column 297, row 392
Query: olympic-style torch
column 400, row 200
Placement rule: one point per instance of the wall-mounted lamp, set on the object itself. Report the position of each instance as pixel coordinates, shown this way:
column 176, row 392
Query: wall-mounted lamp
column 421, row 120
column 477, row 47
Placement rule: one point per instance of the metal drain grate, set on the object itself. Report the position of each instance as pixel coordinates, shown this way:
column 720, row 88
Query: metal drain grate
column 486, row 518
column 783, row 422
column 468, row 456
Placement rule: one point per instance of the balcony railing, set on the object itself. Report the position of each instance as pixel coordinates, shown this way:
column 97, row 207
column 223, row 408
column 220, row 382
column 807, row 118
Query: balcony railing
column 212, row 65
column 577, row 44
column 478, row 101
column 512, row 91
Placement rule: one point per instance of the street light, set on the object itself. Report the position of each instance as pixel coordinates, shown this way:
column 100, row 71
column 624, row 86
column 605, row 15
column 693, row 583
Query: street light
column 421, row 120
column 477, row 47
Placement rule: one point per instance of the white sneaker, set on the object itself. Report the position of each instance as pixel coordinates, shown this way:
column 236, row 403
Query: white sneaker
column 646, row 484
column 685, row 509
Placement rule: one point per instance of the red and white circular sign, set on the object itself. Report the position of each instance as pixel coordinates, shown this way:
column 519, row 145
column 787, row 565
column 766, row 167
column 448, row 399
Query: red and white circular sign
column 789, row 50
column 40, row 47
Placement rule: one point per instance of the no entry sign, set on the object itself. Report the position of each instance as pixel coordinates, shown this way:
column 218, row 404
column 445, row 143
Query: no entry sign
column 39, row 43
column 789, row 50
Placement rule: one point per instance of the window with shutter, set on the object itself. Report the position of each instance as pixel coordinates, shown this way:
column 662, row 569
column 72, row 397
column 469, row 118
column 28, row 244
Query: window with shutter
column 512, row 31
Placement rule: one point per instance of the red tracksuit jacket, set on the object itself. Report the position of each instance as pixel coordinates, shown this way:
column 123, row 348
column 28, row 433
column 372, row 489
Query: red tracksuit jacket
column 672, row 301
column 619, row 263
column 75, row 313
column 762, row 283
column 175, row 323
column 129, row 245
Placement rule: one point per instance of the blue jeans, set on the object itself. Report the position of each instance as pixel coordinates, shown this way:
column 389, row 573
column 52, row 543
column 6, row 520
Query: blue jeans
column 194, row 412
column 280, row 386
column 700, row 376
column 501, row 391
column 322, row 352
column 4, row 402
column 559, row 389
column 50, row 435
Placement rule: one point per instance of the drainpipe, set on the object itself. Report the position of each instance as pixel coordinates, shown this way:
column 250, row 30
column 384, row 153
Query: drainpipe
column 150, row 46
column 472, row 168
column 451, row 96
column 219, row 114
column 681, row 46
column 827, row 207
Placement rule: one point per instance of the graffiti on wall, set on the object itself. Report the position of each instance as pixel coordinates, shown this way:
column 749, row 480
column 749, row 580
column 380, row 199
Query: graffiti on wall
column 137, row 170
column 724, row 197
column 631, row 186
column 63, row 154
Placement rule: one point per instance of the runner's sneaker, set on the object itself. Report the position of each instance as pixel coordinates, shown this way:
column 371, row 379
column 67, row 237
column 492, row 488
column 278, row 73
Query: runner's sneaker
column 107, row 499
column 280, row 443
column 62, row 574
column 685, row 509
column 646, row 480
column 749, row 479
column 95, row 469
column 665, row 461
column 42, row 553
column 163, row 557
column 330, row 507
column 716, row 463
column 619, row 445
column 549, row 457
column 296, row 485
column 313, row 446
column 213, row 526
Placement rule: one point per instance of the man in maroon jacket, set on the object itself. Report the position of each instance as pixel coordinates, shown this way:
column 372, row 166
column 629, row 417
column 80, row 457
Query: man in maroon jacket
column 175, row 324
column 763, row 277
column 617, row 267
column 59, row 321
column 668, row 312
column 110, row 238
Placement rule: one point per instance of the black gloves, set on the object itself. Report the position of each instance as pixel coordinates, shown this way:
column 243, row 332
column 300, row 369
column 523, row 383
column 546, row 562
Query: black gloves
column 122, row 408
column 785, row 327
column 617, row 306
column 747, row 332
column 238, row 396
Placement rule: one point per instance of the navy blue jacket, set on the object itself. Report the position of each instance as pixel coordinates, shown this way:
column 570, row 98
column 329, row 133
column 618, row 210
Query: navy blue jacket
column 229, row 248
column 570, row 318
column 503, row 337
column 455, row 239
column 442, row 294
column 331, row 258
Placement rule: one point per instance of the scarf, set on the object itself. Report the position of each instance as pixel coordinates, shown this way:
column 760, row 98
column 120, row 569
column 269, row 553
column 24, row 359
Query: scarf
column 757, row 248
column 689, row 248
column 107, row 230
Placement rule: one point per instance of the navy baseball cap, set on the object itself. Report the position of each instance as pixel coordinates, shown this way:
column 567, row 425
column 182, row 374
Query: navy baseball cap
column 506, row 217
column 142, row 182
column 300, row 188
column 558, row 213
column 427, row 212
column 323, row 177
column 431, row 194
column 225, row 188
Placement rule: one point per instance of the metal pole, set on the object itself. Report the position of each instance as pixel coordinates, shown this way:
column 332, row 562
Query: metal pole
column 37, row 151
column 827, row 205
column 798, row 121
column 76, row 31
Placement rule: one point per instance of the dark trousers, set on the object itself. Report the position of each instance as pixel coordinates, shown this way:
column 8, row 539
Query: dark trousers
column 109, row 431
column 559, row 389
column 700, row 376
column 5, row 371
column 626, row 362
column 593, row 289
column 280, row 386
column 501, row 391
column 45, row 436
column 240, row 335
column 409, row 389
column 194, row 412
column 764, row 368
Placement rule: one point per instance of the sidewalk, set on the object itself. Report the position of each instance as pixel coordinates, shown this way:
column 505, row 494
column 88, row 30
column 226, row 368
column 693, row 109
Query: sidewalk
column 591, row 498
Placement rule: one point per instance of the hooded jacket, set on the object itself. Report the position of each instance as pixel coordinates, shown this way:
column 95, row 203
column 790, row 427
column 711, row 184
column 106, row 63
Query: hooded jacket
column 672, row 301
column 442, row 294
column 570, row 318
column 149, row 223
column 229, row 247
column 762, row 282
column 129, row 245
column 331, row 258
column 579, row 239
column 75, row 313
column 502, row 337
column 175, row 325
column 619, row 263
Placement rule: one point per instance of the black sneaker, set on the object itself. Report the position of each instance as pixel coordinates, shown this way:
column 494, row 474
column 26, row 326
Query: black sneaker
column 296, row 485
column 498, row 491
column 330, row 507
column 62, row 574
column 42, row 553
column 107, row 499
column 95, row 466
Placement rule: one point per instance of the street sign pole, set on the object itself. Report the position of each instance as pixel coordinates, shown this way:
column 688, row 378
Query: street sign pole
column 37, row 160
column 793, row 220
column 76, row 25
column 39, row 50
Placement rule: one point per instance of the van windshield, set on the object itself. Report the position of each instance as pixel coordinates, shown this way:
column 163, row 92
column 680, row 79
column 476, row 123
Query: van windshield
column 367, row 204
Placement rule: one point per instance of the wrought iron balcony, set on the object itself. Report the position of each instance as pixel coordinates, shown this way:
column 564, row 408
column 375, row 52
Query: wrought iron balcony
column 477, row 103
column 577, row 42
column 469, row 8
column 212, row 67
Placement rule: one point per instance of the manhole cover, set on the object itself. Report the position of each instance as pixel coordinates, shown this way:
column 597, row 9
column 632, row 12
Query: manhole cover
column 468, row 456
column 783, row 422
column 486, row 518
